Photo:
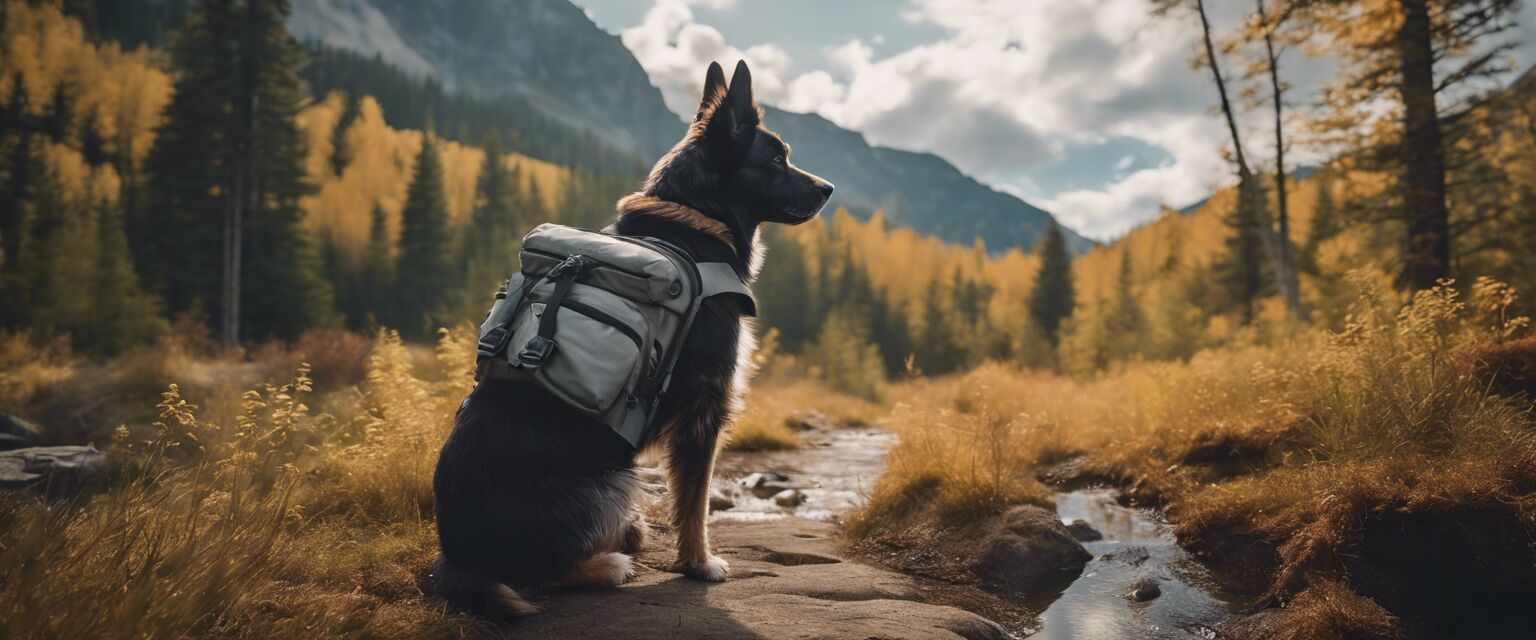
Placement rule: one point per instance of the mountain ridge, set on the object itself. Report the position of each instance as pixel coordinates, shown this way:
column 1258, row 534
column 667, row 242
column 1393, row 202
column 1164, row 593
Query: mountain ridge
column 550, row 54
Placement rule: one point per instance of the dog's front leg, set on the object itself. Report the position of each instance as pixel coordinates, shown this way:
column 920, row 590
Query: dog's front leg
column 690, row 464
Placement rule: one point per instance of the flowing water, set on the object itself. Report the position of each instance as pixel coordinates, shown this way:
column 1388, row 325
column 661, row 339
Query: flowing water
column 1138, row 546
column 835, row 468
column 833, row 471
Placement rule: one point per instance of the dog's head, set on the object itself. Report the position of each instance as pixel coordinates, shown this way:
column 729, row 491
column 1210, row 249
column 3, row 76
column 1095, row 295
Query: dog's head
column 729, row 164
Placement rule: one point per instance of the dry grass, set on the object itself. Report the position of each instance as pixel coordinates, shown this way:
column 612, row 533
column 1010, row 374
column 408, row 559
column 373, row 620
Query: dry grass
column 1325, row 460
column 273, row 522
column 773, row 403
column 240, row 508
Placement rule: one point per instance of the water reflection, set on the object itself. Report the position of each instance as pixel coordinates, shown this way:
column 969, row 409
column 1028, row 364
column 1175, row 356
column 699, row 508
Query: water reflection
column 834, row 470
column 1137, row 546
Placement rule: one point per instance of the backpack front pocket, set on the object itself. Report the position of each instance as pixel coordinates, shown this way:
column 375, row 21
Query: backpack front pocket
column 597, row 355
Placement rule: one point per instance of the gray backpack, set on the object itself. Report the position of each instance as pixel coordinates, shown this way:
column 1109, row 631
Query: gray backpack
column 598, row 319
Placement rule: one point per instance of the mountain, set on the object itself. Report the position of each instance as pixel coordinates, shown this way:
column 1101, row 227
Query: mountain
column 545, row 52
column 917, row 190
column 546, row 56
column 549, row 53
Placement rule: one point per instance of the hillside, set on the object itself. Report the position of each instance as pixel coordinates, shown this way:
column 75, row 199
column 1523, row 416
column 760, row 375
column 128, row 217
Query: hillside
column 549, row 54
column 546, row 52
column 917, row 190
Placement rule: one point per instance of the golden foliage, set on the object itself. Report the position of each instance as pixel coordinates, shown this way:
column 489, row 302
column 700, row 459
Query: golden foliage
column 378, row 174
column 279, row 522
column 120, row 93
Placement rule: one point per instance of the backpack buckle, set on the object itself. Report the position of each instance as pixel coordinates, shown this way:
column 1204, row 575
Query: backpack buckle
column 578, row 263
column 494, row 341
column 536, row 351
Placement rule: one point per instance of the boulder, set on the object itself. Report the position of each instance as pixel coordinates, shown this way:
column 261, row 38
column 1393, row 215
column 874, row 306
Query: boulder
column 755, row 480
column 719, row 502
column 1143, row 590
column 1032, row 552
column 64, row 469
column 1084, row 532
column 810, row 421
column 16, row 433
column 789, row 498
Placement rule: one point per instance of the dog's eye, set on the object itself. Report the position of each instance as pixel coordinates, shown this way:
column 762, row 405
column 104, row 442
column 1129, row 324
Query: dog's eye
column 778, row 159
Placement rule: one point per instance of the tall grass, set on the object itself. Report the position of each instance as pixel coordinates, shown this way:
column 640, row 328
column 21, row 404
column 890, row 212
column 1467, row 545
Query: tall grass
column 1278, row 458
column 276, row 523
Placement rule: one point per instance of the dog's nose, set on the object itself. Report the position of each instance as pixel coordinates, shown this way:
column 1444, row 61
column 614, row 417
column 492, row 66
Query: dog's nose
column 826, row 189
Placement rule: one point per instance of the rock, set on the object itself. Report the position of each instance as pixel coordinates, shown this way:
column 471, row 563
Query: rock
column 1143, row 590
column 718, row 502
column 755, row 480
column 810, row 421
column 1084, row 532
column 16, row 433
column 64, row 469
column 1132, row 556
column 789, row 498
column 1033, row 552
column 768, row 490
column 788, row 580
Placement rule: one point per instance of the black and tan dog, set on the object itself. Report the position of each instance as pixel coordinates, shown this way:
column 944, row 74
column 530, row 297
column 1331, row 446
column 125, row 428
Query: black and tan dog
column 531, row 494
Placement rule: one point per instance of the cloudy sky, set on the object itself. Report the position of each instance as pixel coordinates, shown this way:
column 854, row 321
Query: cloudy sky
column 1088, row 108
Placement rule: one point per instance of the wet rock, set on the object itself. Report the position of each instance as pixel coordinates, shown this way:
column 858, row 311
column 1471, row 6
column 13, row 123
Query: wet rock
column 64, row 469
column 16, row 433
column 810, row 421
column 768, row 490
column 1032, row 552
column 1084, row 532
column 1133, row 556
column 789, row 498
column 718, row 502
column 755, row 480
column 1143, row 590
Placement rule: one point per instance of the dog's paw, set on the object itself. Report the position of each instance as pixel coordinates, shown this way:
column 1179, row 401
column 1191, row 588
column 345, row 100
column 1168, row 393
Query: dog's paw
column 620, row 567
column 713, row 569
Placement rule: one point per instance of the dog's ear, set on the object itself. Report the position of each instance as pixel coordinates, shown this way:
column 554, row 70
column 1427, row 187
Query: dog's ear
column 733, row 124
column 714, row 91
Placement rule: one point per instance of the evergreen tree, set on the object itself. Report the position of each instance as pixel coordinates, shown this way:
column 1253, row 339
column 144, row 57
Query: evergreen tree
column 938, row 350
column 784, row 291
column 121, row 313
column 425, row 277
column 377, row 274
column 1052, row 300
column 1125, row 322
column 227, row 174
column 1239, row 269
column 1325, row 221
column 1432, row 61
column 489, row 246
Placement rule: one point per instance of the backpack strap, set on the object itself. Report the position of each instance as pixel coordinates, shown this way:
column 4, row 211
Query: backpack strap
column 720, row 279
column 543, row 344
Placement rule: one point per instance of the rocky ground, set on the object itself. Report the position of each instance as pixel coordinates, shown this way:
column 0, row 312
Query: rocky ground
column 788, row 579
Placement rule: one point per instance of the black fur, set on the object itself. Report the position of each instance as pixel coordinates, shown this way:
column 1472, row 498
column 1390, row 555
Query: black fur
column 527, row 489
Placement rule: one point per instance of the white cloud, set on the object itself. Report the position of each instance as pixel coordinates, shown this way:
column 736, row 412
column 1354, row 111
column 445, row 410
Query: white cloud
column 1006, row 87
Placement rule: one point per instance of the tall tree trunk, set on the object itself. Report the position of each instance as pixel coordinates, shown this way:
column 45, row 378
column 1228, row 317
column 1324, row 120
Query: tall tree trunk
column 1290, row 287
column 1249, row 192
column 1429, row 239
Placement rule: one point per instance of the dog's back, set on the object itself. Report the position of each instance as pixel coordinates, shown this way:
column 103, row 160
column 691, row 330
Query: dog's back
column 525, row 489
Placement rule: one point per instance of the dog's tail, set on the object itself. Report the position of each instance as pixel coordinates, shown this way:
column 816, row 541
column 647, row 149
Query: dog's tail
column 474, row 589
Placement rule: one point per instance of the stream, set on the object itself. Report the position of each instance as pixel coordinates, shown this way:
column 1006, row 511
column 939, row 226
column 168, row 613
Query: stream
column 1138, row 545
column 835, row 468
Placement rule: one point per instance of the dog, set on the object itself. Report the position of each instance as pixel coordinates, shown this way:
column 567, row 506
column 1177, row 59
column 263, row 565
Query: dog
column 530, row 493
